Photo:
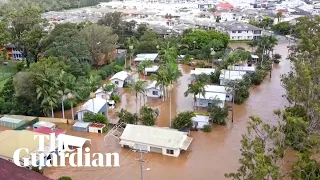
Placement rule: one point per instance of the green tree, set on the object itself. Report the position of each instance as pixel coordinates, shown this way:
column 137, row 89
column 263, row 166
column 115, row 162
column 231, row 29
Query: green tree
column 127, row 117
column 279, row 15
column 161, row 79
column 282, row 28
column 196, row 88
column 148, row 116
column 5, row 35
column 138, row 87
column 95, row 118
column 217, row 114
column 182, row 120
column 65, row 178
column 142, row 67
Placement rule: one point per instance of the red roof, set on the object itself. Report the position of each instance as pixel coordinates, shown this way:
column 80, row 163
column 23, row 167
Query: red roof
column 283, row 10
column 47, row 131
column 224, row 6
column 9, row 171
column 98, row 125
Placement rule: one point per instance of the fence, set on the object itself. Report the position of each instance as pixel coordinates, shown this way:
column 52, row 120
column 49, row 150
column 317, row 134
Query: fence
column 29, row 123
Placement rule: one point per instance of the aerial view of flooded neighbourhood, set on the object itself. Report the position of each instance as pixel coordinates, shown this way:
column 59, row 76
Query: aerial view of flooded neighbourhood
column 159, row 89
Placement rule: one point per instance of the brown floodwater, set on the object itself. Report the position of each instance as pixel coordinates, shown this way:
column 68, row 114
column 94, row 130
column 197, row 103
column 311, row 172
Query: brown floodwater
column 210, row 156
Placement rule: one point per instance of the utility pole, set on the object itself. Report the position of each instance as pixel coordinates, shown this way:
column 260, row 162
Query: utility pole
column 141, row 152
column 234, row 93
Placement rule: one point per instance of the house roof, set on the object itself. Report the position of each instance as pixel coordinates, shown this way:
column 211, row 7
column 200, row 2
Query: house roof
column 152, row 69
column 215, row 88
column 145, row 56
column 254, row 56
column 97, row 125
column 153, row 85
column 213, row 95
column 200, row 118
column 12, row 140
column 224, row 6
column 156, row 136
column 93, row 105
column 231, row 75
column 199, row 71
column 45, row 124
column 237, row 25
column 47, row 131
column 122, row 75
column 11, row 120
column 73, row 140
column 10, row 171
column 244, row 68
column 81, row 124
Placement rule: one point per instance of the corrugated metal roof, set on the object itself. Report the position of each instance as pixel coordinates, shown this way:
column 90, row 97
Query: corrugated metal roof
column 11, row 120
column 122, row 75
column 82, row 124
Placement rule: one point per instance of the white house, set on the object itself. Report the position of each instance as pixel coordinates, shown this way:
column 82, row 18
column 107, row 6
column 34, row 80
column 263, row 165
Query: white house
column 44, row 124
column 229, row 75
column 151, row 70
column 207, row 100
column 100, row 93
column 166, row 141
column 219, row 89
column 240, row 30
column 199, row 121
column 198, row 71
column 95, row 105
column 247, row 69
column 153, row 90
column 120, row 79
column 145, row 56
column 96, row 127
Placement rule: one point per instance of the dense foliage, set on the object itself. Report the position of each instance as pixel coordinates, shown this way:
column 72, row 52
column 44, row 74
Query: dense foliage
column 95, row 118
column 183, row 120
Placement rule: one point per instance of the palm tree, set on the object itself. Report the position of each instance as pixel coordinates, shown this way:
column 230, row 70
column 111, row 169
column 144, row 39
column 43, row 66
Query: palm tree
column 195, row 89
column 138, row 87
column 109, row 87
column 252, row 44
column 203, row 78
column 279, row 15
column 161, row 79
column 71, row 91
column 66, row 82
column 142, row 67
column 93, row 82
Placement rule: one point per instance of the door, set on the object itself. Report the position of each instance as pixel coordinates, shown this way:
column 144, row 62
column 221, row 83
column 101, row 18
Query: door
column 156, row 150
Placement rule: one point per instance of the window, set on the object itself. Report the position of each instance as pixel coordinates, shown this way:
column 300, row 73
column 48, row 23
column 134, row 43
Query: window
column 239, row 31
column 116, row 82
column 227, row 96
column 249, row 37
column 155, row 93
column 234, row 31
column 170, row 151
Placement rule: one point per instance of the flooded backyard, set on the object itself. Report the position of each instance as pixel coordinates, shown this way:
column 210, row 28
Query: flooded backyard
column 210, row 156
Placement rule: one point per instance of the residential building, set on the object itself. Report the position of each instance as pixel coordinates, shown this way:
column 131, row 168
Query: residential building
column 199, row 121
column 198, row 71
column 96, row 127
column 219, row 89
column 11, row 122
column 229, row 75
column 13, row 52
column 153, row 90
column 166, row 141
column 10, row 171
column 94, row 105
column 46, row 124
column 81, row 126
column 100, row 93
column 151, row 70
column 144, row 57
column 247, row 69
column 209, row 98
column 240, row 30
column 48, row 131
column 205, row 6
column 121, row 79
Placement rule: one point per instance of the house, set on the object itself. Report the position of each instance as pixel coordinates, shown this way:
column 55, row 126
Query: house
column 12, row 52
column 224, row 6
column 229, row 75
column 166, row 141
column 153, row 90
column 100, row 93
column 198, row 71
column 11, row 140
column 73, row 141
column 205, row 6
column 11, row 122
column 151, row 70
column 240, row 30
column 254, row 57
column 247, row 69
column 121, row 79
column 96, row 127
column 206, row 100
column 199, row 121
column 46, row 124
column 10, row 171
column 48, row 131
column 94, row 105
column 81, row 126
column 144, row 57
column 219, row 89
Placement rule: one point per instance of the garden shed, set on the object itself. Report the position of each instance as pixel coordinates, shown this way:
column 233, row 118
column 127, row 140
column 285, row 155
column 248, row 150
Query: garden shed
column 96, row 127
column 11, row 122
column 81, row 126
column 44, row 124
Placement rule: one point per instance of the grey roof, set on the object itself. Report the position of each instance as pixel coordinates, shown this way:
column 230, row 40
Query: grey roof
column 81, row 124
column 235, row 25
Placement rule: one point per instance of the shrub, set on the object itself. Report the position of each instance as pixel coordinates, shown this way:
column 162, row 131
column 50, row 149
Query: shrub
column 116, row 98
column 127, row 117
column 105, row 129
column 65, row 178
column 117, row 68
column 103, row 74
column 95, row 118
column 218, row 115
column 20, row 66
column 207, row 128
column 258, row 76
column 183, row 119
column 277, row 61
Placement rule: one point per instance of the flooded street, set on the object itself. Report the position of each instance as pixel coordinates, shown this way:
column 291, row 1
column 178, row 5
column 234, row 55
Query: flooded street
column 210, row 156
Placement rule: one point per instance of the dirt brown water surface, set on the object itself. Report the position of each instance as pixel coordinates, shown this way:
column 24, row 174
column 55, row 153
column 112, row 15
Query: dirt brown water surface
column 210, row 156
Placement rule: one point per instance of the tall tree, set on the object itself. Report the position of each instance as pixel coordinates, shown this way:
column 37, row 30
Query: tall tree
column 196, row 89
column 142, row 67
column 139, row 87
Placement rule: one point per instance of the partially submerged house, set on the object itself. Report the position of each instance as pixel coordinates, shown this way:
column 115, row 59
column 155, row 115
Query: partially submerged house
column 153, row 90
column 219, row 89
column 247, row 69
column 100, row 93
column 229, row 75
column 166, row 141
column 94, row 105
column 96, row 127
column 199, row 121
column 145, row 57
column 151, row 70
column 48, row 131
column 197, row 71
column 81, row 126
column 46, row 124
column 211, row 98
column 11, row 122
column 121, row 79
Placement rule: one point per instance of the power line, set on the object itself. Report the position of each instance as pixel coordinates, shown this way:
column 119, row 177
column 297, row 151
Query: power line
column 141, row 152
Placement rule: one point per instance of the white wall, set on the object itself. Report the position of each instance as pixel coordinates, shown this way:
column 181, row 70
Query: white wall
column 149, row 93
column 120, row 82
column 95, row 129
column 243, row 35
column 176, row 152
column 101, row 95
column 81, row 115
